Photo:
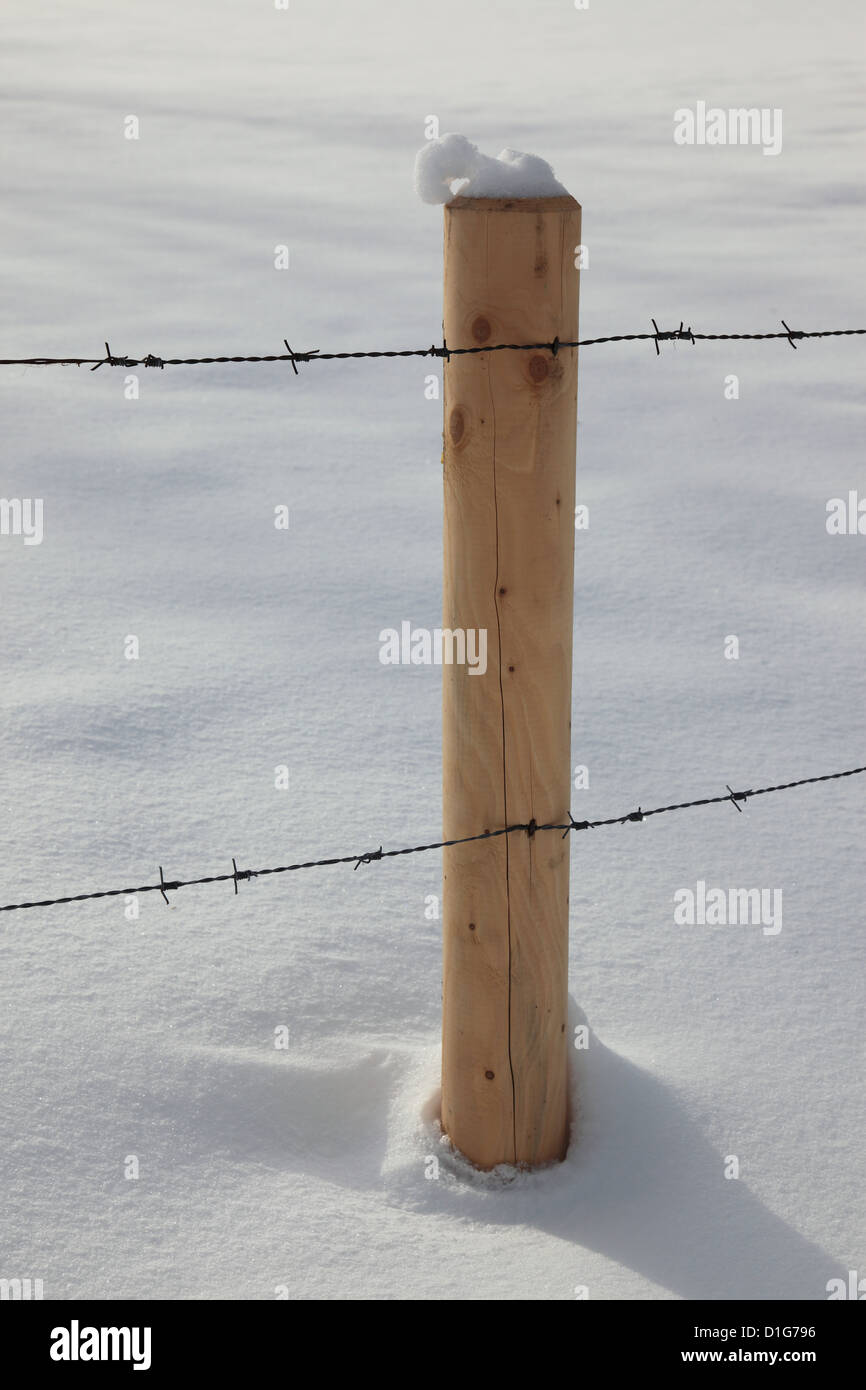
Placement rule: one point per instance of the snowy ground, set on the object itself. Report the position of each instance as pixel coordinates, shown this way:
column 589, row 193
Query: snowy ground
column 305, row 1168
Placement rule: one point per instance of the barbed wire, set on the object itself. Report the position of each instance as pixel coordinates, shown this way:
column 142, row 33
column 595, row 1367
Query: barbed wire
column 658, row 335
column 166, row 886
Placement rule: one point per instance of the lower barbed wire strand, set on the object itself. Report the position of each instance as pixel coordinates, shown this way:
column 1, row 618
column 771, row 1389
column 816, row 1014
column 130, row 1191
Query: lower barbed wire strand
column 172, row 885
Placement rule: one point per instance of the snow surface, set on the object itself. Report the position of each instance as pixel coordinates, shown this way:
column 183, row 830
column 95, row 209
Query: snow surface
column 305, row 1168
column 452, row 164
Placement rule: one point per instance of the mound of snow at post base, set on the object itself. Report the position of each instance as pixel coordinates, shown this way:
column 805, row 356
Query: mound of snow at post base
column 639, row 1185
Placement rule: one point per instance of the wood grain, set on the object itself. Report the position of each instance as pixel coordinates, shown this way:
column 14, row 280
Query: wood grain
column 509, row 483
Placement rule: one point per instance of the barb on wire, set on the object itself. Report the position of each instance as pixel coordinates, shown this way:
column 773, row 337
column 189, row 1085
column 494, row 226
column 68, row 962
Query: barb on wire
column 295, row 357
column 672, row 336
column 162, row 886
column 736, row 797
column 792, row 334
column 239, row 874
column 110, row 360
column 370, row 856
column 658, row 335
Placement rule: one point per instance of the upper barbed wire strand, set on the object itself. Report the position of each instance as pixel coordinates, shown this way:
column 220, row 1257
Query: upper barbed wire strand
column 680, row 334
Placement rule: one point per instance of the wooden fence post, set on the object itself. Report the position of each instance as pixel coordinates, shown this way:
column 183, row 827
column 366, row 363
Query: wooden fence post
column 509, row 474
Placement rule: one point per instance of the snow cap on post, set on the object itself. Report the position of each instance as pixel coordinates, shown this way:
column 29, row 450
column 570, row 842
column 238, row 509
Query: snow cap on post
column 452, row 165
